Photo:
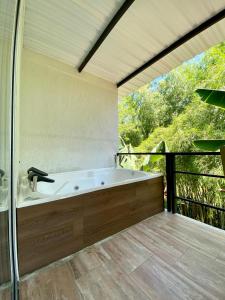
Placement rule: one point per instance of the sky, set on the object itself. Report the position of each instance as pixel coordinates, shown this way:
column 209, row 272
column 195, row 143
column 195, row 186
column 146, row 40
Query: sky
column 155, row 82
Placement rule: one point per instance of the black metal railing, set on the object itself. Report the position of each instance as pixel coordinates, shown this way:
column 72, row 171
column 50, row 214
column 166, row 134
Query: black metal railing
column 171, row 172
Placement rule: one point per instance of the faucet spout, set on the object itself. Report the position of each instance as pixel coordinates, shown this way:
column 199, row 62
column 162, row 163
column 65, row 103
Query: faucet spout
column 35, row 175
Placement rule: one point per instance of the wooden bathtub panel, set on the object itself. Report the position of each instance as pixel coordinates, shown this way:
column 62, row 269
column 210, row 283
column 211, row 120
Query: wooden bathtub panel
column 106, row 199
column 95, row 222
column 135, row 202
column 108, row 230
column 148, row 200
column 4, row 248
column 50, row 231
column 107, row 213
column 109, row 207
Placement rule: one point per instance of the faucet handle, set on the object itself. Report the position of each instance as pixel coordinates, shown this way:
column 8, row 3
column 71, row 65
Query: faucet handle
column 45, row 179
column 37, row 171
column 35, row 177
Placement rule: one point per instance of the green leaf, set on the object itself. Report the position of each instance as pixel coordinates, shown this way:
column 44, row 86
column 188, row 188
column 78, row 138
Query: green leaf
column 214, row 97
column 146, row 160
column 146, row 168
column 162, row 148
column 209, row 145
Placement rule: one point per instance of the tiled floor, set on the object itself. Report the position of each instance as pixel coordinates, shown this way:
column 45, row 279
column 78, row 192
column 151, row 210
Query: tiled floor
column 164, row 257
column 5, row 292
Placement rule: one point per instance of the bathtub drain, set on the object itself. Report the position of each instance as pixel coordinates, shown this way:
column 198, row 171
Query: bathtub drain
column 102, row 183
column 76, row 187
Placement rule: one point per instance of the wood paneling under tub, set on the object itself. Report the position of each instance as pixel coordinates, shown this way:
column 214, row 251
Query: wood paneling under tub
column 50, row 231
column 4, row 248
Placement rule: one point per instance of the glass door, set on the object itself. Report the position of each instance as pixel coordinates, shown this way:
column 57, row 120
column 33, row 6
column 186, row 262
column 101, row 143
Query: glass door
column 8, row 13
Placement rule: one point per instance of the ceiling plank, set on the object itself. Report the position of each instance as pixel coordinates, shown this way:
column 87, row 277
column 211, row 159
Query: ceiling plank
column 105, row 33
column 203, row 26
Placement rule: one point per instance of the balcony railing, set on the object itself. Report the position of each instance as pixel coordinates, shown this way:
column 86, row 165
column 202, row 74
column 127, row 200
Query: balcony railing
column 171, row 172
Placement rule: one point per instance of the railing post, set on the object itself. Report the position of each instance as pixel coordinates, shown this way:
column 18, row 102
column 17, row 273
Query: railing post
column 168, row 184
column 171, row 182
column 173, row 187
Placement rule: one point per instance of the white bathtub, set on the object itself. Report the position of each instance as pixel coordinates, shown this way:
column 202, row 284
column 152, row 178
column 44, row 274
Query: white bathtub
column 79, row 182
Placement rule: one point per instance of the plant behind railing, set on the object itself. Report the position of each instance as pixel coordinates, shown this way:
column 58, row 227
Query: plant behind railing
column 216, row 98
column 202, row 189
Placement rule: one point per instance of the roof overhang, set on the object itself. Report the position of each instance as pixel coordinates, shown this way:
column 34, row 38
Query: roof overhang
column 126, row 42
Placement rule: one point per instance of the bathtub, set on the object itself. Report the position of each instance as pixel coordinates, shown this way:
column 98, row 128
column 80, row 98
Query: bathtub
column 81, row 208
column 74, row 183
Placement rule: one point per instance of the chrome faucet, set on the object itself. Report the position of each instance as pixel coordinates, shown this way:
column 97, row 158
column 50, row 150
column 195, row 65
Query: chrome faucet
column 2, row 173
column 33, row 182
column 35, row 175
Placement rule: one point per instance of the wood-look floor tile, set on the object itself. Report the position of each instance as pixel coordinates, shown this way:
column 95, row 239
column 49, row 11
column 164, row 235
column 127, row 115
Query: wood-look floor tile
column 161, row 281
column 164, row 257
column 5, row 292
column 194, row 239
column 158, row 220
column 104, row 283
column 153, row 284
column 164, row 248
column 220, row 258
column 126, row 252
column 204, row 271
column 214, row 232
column 88, row 259
column 99, row 285
column 55, row 283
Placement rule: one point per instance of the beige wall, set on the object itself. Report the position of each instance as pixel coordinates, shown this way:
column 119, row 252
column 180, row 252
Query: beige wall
column 68, row 120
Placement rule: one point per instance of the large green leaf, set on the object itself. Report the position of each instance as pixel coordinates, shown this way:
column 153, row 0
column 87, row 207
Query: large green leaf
column 127, row 161
column 214, row 97
column 209, row 145
column 161, row 147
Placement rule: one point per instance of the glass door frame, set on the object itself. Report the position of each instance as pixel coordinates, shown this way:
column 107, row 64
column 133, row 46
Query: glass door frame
column 13, row 179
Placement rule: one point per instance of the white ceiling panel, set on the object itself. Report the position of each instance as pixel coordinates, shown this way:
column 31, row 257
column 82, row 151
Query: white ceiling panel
column 67, row 29
column 196, row 45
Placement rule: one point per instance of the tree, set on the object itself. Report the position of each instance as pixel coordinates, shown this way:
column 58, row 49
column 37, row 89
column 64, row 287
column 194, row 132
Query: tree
column 172, row 112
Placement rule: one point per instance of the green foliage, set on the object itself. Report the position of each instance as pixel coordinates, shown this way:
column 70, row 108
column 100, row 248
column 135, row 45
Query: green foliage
column 150, row 160
column 130, row 134
column 170, row 111
column 127, row 161
column 128, row 122
column 209, row 145
column 214, row 97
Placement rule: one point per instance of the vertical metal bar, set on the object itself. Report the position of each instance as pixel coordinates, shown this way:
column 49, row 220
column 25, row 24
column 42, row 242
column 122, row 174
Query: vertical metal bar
column 168, row 181
column 173, row 184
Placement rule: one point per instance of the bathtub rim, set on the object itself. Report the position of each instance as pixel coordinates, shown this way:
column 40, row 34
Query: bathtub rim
column 27, row 203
